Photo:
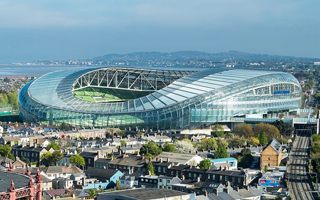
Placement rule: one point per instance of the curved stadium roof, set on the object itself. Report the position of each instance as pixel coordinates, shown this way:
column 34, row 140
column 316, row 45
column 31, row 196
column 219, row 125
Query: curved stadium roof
column 56, row 89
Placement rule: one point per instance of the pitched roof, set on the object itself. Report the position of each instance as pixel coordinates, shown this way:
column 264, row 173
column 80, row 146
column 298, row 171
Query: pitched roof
column 88, row 154
column 274, row 144
column 132, row 160
column 63, row 169
column 176, row 157
column 98, row 173
column 28, row 148
column 55, row 192
column 145, row 193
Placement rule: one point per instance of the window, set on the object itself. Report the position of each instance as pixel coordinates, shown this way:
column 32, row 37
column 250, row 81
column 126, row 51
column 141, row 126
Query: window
column 160, row 180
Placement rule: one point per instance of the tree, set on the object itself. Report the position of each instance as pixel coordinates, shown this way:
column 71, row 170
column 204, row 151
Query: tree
column 123, row 143
column 270, row 130
column 263, row 139
column 4, row 99
column 185, row 146
column 55, row 146
column 236, row 142
column 221, row 151
column 92, row 193
column 65, row 127
column 207, row 144
column 56, row 156
column 169, row 147
column 317, row 97
column 46, row 158
column 254, row 141
column 13, row 99
column 150, row 149
column 246, row 158
column 205, row 164
column 218, row 130
column 150, row 168
column 284, row 128
column 5, row 151
column 118, row 186
column 244, row 130
column 49, row 159
column 77, row 160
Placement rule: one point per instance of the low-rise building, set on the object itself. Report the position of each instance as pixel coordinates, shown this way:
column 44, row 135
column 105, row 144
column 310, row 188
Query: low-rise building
column 225, row 163
column 90, row 158
column 179, row 158
column 53, row 172
column 271, row 155
column 30, row 153
column 148, row 181
column 166, row 182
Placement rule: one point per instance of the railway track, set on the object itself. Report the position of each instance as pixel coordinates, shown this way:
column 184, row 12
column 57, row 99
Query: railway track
column 299, row 183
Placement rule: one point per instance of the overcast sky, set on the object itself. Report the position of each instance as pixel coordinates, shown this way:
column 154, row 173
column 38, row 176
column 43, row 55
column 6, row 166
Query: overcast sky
column 53, row 29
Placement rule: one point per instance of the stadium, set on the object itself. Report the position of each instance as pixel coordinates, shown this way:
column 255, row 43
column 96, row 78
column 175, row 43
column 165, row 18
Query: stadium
column 151, row 98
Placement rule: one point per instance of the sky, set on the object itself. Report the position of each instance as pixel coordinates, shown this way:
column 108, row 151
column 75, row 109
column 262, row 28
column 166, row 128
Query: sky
column 68, row 29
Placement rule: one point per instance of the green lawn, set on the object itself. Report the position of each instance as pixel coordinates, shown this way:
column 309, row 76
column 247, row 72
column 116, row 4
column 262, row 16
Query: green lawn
column 92, row 94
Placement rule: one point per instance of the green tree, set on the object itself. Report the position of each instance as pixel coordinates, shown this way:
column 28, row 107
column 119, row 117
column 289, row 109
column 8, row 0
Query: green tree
column 123, row 143
column 92, row 193
column 244, row 130
column 150, row 168
column 236, row 142
column 270, row 130
column 246, row 158
column 56, row 156
column 3, row 99
column 284, row 128
column 218, row 130
column 49, row 159
column 317, row 97
column 205, row 164
column 221, row 151
column 5, row 151
column 263, row 139
column 65, row 127
column 118, row 186
column 207, row 144
column 54, row 145
column 77, row 160
column 150, row 149
column 13, row 99
column 169, row 147
column 46, row 158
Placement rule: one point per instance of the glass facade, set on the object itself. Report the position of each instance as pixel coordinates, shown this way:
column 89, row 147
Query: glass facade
column 176, row 99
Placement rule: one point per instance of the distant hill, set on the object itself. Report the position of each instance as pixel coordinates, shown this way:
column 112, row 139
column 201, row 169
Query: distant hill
column 191, row 55
column 190, row 59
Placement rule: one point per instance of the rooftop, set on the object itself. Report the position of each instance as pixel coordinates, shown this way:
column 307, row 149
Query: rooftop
column 143, row 194
column 19, row 180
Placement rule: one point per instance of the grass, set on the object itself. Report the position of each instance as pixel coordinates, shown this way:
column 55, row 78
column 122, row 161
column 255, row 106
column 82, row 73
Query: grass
column 92, row 94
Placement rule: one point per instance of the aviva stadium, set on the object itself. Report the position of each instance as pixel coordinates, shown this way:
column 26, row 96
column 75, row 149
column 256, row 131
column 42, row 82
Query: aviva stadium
column 150, row 98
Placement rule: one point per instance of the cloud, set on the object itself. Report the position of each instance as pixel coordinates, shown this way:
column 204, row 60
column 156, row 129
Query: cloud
column 162, row 13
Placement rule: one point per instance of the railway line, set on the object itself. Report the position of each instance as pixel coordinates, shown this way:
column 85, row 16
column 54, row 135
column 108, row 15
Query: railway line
column 299, row 183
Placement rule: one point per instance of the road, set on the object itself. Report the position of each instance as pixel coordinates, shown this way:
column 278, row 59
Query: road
column 299, row 183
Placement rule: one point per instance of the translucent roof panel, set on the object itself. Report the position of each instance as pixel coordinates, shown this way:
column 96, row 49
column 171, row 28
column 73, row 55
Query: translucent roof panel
column 56, row 89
